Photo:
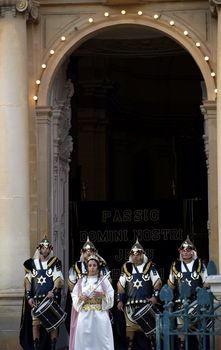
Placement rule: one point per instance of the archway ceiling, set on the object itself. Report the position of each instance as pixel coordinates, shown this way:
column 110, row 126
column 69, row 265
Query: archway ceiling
column 147, row 76
column 136, row 41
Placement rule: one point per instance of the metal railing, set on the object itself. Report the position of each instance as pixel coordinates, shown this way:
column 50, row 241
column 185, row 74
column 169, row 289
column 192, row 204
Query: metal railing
column 194, row 324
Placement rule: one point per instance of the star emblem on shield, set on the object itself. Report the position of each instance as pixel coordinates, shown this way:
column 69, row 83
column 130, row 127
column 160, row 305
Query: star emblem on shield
column 137, row 284
column 41, row 280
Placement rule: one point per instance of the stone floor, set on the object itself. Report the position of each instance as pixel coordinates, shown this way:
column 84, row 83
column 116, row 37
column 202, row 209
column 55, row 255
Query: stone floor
column 9, row 333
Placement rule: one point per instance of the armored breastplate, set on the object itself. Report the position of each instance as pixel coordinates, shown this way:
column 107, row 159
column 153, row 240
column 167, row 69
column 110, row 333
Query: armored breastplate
column 193, row 279
column 138, row 287
column 42, row 281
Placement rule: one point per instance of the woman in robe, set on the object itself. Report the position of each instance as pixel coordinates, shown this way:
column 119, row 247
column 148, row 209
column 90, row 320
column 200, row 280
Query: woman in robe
column 92, row 297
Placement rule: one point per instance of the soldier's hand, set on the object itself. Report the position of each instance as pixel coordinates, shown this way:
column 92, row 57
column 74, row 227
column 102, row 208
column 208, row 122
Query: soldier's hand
column 31, row 302
column 50, row 294
column 152, row 300
column 120, row 306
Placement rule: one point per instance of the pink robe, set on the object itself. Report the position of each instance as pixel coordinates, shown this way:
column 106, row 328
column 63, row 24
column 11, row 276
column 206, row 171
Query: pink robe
column 73, row 323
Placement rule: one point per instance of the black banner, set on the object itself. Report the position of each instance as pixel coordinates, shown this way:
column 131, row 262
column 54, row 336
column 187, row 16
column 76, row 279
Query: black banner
column 113, row 227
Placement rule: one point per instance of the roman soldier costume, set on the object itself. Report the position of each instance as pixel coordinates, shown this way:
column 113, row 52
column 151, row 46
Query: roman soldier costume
column 193, row 273
column 40, row 275
column 139, row 282
column 188, row 269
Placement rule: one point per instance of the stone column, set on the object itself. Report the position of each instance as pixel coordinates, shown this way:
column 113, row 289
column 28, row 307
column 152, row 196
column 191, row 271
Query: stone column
column 14, row 159
column 210, row 144
column 43, row 120
column 14, row 166
column 216, row 7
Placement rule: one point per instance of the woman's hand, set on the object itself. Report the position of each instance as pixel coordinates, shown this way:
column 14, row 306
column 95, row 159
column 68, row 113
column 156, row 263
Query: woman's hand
column 83, row 297
column 98, row 294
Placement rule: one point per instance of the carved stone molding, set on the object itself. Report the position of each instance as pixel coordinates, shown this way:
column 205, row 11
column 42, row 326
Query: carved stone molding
column 62, row 121
column 208, row 110
column 43, row 115
column 122, row 2
column 62, row 147
column 205, row 136
column 29, row 7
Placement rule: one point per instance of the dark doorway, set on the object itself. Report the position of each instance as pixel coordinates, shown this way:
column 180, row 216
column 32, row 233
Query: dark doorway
column 144, row 90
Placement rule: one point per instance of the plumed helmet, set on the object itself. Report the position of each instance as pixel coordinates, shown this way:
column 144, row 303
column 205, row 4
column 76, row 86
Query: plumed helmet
column 137, row 248
column 88, row 245
column 187, row 244
column 45, row 243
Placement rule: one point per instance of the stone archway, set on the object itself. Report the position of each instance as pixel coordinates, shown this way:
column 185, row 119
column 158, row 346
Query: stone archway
column 81, row 36
column 84, row 33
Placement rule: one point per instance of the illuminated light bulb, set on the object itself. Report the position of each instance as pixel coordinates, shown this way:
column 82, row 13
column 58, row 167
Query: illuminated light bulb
column 52, row 52
column 156, row 16
column 216, row 91
column 172, row 23
column 43, row 66
column 106, row 14
column 123, row 12
column 140, row 13
column 213, row 74
column 63, row 38
column 206, row 58
column 90, row 20
column 38, row 82
column 35, row 98
column 185, row 32
column 197, row 44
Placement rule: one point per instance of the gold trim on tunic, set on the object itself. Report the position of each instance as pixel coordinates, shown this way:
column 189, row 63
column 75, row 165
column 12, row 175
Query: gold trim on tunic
column 92, row 304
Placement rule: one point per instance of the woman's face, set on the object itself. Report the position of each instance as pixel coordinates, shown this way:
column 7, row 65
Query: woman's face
column 92, row 267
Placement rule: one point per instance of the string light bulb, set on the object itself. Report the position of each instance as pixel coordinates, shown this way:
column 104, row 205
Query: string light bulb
column 123, row 12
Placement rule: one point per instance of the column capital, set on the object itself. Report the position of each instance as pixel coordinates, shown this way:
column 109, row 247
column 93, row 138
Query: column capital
column 43, row 114
column 29, row 7
column 208, row 109
column 214, row 6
